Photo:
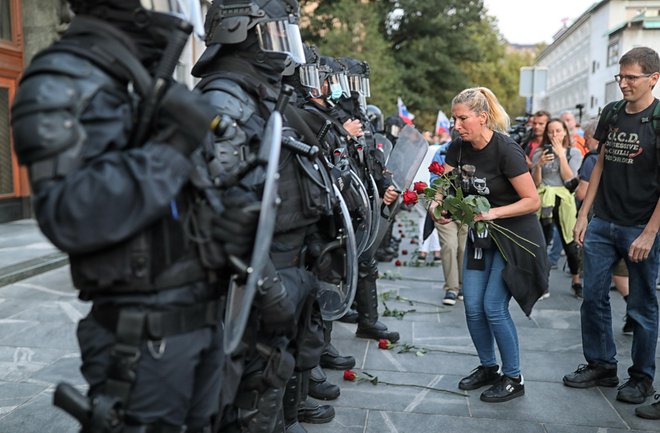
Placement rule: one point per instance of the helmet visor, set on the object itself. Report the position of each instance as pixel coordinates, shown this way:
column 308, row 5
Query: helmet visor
column 188, row 10
column 281, row 37
column 342, row 80
column 355, row 83
column 309, row 78
column 366, row 86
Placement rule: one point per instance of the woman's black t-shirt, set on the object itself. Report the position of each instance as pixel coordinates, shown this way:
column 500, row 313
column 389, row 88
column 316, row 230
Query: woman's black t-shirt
column 486, row 172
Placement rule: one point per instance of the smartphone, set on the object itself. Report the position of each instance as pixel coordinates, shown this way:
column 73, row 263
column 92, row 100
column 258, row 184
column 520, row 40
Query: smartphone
column 547, row 148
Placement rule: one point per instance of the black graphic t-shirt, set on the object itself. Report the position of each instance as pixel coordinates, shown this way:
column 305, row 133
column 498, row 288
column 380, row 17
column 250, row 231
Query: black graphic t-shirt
column 628, row 189
column 487, row 171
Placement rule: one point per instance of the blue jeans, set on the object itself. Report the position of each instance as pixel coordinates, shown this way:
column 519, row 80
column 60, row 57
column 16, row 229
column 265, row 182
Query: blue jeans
column 555, row 249
column 604, row 244
column 486, row 300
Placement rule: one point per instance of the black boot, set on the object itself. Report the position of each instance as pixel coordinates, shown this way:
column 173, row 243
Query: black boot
column 330, row 358
column 319, row 387
column 310, row 412
column 367, row 307
column 291, row 402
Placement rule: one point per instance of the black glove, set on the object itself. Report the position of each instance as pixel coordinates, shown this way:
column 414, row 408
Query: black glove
column 236, row 226
column 184, row 119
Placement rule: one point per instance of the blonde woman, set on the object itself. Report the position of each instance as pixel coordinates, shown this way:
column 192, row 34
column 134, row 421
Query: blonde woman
column 492, row 165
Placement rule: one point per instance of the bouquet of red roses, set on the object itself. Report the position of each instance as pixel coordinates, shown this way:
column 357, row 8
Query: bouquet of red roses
column 451, row 200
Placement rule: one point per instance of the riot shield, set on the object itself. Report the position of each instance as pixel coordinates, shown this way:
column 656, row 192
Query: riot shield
column 337, row 290
column 376, row 202
column 403, row 163
column 363, row 221
column 243, row 288
column 384, row 144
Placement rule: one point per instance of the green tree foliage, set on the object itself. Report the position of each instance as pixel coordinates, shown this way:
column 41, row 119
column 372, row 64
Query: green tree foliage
column 424, row 51
column 352, row 28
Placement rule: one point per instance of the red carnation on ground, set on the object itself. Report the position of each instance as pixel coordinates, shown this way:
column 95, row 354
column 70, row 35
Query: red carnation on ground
column 350, row 375
column 409, row 197
column 384, row 344
column 397, row 263
column 436, row 168
column 404, row 252
column 419, row 187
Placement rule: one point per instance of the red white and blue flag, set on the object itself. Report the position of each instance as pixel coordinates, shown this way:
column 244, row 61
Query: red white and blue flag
column 442, row 123
column 403, row 112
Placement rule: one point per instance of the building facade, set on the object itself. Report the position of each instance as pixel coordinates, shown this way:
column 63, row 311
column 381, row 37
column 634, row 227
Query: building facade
column 583, row 58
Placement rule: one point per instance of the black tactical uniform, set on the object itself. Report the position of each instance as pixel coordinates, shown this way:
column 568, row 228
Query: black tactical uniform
column 241, row 74
column 354, row 107
column 116, row 203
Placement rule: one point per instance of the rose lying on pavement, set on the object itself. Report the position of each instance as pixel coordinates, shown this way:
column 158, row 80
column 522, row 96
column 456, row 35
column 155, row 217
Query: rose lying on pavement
column 352, row 376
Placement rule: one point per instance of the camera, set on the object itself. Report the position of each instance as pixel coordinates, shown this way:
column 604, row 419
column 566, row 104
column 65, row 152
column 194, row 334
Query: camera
column 519, row 132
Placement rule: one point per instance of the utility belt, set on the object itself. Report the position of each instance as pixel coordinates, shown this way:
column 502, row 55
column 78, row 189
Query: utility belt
column 156, row 325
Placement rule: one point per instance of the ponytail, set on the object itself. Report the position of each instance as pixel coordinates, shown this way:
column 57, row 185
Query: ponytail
column 482, row 99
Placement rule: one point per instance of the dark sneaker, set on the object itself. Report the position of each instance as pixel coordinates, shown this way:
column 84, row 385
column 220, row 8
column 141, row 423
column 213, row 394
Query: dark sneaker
column 450, row 297
column 480, row 376
column 587, row 376
column 577, row 290
column 651, row 411
column 460, row 294
column 635, row 390
column 505, row 389
column 628, row 325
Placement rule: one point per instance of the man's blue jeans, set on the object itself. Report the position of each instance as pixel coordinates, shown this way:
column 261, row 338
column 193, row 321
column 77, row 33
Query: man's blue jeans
column 486, row 300
column 604, row 244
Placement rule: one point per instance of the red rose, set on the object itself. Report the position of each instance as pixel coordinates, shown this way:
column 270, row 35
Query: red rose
column 404, row 252
column 384, row 343
column 403, row 235
column 397, row 263
column 436, row 168
column 350, row 375
column 419, row 187
column 413, row 241
column 409, row 197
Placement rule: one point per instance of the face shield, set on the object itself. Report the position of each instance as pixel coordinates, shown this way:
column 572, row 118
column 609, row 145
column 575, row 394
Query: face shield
column 339, row 85
column 309, row 78
column 360, row 85
column 281, row 37
column 187, row 10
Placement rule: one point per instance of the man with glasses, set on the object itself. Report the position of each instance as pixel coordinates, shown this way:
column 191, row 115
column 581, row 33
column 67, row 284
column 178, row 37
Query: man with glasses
column 624, row 192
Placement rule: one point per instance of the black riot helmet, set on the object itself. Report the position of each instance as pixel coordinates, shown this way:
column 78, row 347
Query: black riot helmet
column 375, row 117
column 333, row 71
column 393, row 125
column 275, row 23
column 305, row 79
column 358, row 73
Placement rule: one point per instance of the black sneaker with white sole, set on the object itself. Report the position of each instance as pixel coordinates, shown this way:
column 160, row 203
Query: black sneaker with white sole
column 450, row 297
column 505, row 389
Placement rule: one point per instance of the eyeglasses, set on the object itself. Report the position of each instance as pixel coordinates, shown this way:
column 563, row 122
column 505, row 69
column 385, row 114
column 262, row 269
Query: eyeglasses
column 629, row 78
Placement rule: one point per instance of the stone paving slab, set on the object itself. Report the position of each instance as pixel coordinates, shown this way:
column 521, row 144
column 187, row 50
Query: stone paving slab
column 38, row 349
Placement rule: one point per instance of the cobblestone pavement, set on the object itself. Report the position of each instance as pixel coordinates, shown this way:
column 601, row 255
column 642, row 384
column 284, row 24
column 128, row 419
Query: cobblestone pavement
column 38, row 349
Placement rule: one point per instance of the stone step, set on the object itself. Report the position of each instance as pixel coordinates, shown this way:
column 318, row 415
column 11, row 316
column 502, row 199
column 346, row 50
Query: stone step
column 28, row 268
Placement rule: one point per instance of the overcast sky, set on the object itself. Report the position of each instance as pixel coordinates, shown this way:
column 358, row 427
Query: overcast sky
column 534, row 21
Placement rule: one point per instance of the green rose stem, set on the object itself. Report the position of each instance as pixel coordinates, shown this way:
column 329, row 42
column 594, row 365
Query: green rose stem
column 375, row 381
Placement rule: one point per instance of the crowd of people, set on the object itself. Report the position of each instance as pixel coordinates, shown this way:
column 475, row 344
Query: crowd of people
column 218, row 232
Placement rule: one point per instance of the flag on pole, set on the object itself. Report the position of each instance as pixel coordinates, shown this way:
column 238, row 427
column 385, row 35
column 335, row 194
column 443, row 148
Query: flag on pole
column 441, row 123
column 403, row 112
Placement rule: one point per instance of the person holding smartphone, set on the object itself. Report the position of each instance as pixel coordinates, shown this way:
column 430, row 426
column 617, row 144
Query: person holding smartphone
column 554, row 170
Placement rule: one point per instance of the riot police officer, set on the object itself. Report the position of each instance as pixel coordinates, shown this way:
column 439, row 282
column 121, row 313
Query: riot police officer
column 250, row 45
column 99, row 124
column 373, row 164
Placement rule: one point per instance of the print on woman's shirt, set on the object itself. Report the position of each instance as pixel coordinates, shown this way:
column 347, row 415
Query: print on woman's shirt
column 470, row 184
column 622, row 147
